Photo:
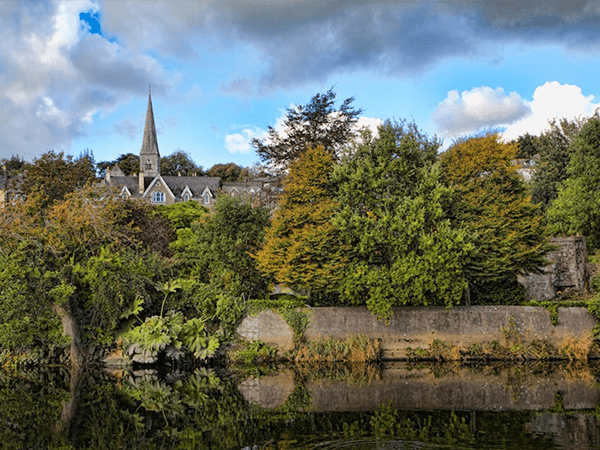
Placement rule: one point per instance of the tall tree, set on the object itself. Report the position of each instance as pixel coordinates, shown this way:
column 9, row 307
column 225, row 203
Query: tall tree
column 395, row 218
column 576, row 210
column 319, row 123
column 302, row 249
column 492, row 202
column 554, row 148
column 179, row 163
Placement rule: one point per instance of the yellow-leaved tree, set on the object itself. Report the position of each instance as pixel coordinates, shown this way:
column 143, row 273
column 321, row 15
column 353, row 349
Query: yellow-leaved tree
column 303, row 250
column 491, row 200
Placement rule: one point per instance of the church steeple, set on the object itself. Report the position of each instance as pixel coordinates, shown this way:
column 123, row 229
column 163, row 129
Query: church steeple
column 149, row 155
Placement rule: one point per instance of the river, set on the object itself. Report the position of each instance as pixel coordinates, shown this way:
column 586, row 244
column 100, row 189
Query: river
column 389, row 406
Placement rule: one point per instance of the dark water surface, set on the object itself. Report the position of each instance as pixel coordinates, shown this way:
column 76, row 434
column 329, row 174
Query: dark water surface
column 394, row 406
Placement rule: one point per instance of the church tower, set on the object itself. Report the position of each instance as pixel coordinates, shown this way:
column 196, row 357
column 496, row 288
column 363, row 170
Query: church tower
column 149, row 156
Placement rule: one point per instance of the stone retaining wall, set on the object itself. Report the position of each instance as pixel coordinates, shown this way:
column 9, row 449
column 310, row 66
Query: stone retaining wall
column 419, row 326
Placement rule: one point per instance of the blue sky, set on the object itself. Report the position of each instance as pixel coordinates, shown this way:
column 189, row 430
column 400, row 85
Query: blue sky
column 75, row 74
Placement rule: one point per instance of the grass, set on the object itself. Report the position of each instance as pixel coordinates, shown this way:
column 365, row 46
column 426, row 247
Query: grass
column 357, row 348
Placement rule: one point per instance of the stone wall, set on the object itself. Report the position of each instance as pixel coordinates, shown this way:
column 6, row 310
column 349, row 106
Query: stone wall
column 419, row 326
column 566, row 270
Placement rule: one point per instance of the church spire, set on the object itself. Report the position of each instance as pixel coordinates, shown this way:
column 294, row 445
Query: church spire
column 149, row 155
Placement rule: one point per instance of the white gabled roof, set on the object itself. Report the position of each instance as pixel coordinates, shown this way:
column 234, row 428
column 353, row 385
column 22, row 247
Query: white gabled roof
column 158, row 178
column 187, row 191
column 206, row 189
column 125, row 191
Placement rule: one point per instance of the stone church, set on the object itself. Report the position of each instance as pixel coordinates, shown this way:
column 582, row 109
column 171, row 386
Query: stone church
column 149, row 184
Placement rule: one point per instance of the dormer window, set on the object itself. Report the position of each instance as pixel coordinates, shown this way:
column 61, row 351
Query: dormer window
column 186, row 198
column 207, row 199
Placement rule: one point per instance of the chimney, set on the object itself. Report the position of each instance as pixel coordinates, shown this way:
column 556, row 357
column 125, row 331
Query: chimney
column 141, row 182
column 107, row 176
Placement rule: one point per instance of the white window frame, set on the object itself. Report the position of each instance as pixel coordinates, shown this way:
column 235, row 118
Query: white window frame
column 158, row 197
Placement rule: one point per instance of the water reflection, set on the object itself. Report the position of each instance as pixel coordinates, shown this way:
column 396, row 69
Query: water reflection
column 395, row 406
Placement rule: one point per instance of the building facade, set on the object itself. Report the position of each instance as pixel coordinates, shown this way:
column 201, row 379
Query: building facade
column 157, row 189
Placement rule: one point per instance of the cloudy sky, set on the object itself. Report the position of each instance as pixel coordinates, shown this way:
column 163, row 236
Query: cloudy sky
column 75, row 74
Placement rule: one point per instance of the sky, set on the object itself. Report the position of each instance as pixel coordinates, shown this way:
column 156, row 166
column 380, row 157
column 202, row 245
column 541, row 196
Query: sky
column 75, row 75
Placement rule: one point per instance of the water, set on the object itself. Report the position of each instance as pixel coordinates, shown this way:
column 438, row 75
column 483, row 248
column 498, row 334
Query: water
column 394, row 406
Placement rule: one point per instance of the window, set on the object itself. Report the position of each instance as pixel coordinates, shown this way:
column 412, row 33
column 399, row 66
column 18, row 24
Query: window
column 207, row 199
column 186, row 198
column 158, row 197
column 148, row 164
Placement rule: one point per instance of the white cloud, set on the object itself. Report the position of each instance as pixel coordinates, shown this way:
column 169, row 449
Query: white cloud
column 240, row 142
column 552, row 100
column 478, row 108
column 370, row 123
column 56, row 75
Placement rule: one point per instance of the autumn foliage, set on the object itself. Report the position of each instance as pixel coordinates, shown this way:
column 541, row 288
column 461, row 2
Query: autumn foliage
column 302, row 247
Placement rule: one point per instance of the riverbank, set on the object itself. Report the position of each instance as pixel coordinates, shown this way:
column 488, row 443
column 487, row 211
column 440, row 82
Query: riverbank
column 435, row 333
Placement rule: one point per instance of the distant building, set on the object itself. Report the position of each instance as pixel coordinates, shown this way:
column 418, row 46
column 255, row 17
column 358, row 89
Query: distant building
column 149, row 184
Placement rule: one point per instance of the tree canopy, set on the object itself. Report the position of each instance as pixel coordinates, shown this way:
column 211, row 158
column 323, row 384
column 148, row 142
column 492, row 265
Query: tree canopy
column 318, row 123
column 302, row 249
column 576, row 210
column 554, row 147
column 227, row 172
column 491, row 201
column 128, row 163
column 179, row 163
column 395, row 218
column 53, row 175
column 218, row 250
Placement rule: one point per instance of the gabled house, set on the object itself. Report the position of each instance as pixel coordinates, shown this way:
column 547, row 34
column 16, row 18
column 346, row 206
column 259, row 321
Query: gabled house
column 149, row 184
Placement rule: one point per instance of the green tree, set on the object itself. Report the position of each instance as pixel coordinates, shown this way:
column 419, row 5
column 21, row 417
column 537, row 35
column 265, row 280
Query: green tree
column 227, row 172
column 71, row 269
column 493, row 204
column 182, row 214
column 218, row 250
column 302, row 249
column 319, row 123
column 554, row 148
column 53, row 175
column 129, row 163
column 528, row 146
column 13, row 165
column 179, row 163
column 395, row 218
column 576, row 210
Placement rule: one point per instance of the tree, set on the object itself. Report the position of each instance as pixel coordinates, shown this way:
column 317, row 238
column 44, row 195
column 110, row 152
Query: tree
column 554, row 148
column 528, row 146
column 395, row 217
column 13, row 165
column 219, row 249
column 227, row 172
column 576, row 210
column 182, row 214
column 73, row 269
column 179, row 163
column 302, row 249
column 128, row 163
column 316, row 124
column 54, row 175
column 491, row 201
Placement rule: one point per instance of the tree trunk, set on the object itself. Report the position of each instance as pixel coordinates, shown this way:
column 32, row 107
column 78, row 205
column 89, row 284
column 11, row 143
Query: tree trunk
column 71, row 329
